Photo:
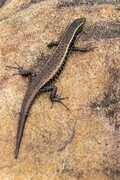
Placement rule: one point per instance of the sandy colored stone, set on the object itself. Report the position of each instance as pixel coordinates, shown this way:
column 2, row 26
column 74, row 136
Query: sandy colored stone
column 83, row 143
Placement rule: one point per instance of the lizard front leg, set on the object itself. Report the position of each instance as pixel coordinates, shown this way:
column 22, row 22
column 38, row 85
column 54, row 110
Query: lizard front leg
column 82, row 49
column 54, row 97
column 73, row 48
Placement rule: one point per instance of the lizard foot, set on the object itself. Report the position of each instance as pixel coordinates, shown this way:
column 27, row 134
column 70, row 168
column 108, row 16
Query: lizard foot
column 58, row 99
column 22, row 71
column 54, row 97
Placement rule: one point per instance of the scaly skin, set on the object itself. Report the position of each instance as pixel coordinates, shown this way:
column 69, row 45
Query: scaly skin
column 50, row 71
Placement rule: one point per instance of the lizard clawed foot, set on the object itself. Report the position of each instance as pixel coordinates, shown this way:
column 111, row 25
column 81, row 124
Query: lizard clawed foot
column 22, row 71
column 58, row 99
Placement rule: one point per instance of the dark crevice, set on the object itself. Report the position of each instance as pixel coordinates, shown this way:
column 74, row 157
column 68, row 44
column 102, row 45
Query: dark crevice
column 117, row 8
column 70, row 171
column 27, row 5
column 102, row 30
column 67, row 141
column 113, row 174
column 107, row 29
column 36, row 1
column 73, row 173
column 2, row 3
column 110, row 103
column 21, row 7
column 88, row 3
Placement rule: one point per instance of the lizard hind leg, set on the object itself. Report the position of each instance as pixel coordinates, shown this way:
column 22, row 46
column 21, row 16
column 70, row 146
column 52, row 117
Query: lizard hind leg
column 54, row 97
column 53, row 44
column 22, row 71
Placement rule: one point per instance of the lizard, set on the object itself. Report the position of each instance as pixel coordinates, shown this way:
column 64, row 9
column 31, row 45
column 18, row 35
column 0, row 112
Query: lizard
column 49, row 72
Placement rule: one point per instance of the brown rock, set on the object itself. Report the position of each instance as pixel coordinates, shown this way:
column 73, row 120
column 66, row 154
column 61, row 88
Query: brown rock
column 58, row 144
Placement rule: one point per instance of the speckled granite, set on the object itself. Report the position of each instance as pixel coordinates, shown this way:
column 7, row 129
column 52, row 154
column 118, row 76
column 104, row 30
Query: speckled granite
column 83, row 143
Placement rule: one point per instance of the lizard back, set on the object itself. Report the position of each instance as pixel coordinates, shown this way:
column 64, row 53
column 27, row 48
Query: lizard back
column 48, row 72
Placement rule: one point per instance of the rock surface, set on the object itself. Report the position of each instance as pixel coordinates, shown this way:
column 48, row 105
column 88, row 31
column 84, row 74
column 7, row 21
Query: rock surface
column 83, row 143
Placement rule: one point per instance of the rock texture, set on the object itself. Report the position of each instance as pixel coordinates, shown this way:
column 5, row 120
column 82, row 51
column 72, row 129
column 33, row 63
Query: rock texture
column 83, row 143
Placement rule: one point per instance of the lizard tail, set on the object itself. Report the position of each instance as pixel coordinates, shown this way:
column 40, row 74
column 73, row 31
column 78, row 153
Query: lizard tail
column 23, row 116
column 20, row 134
column 28, row 99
